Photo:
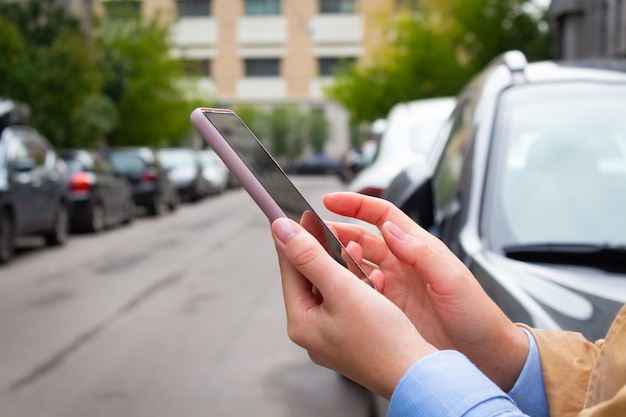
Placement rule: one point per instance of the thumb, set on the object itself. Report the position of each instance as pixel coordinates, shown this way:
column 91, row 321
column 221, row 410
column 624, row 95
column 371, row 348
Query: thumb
column 307, row 256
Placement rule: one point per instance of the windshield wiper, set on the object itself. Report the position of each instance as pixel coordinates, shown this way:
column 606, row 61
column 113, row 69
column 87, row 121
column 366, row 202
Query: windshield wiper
column 603, row 256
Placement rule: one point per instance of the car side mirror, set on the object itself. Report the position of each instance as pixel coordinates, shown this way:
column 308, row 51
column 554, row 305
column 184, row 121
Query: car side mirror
column 412, row 192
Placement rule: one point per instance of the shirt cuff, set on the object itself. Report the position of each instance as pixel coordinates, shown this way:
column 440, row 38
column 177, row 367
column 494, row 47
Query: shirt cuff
column 446, row 383
column 529, row 391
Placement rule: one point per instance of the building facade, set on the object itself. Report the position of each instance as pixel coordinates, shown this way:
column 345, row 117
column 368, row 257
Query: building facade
column 588, row 28
column 268, row 52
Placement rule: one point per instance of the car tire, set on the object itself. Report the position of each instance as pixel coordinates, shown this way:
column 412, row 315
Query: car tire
column 60, row 231
column 96, row 224
column 7, row 236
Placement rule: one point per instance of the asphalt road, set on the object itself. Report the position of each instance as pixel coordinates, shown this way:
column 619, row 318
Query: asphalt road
column 180, row 315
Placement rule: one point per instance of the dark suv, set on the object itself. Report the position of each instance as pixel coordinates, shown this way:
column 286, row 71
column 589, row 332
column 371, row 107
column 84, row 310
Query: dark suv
column 33, row 191
column 527, row 185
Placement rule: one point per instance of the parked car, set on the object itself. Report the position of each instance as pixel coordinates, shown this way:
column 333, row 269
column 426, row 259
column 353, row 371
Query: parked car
column 100, row 197
column 411, row 129
column 33, row 192
column 152, row 188
column 185, row 171
column 316, row 164
column 357, row 158
column 528, row 188
column 214, row 171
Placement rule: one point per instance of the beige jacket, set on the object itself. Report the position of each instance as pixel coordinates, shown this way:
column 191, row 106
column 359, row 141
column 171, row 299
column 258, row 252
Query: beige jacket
column 585, row 379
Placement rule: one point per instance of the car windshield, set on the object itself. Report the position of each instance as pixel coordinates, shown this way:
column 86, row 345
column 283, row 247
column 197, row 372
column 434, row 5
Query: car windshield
column 73, row 165
column 423, row 135
column 174, row 158
column 558, row 167
column 127, row 162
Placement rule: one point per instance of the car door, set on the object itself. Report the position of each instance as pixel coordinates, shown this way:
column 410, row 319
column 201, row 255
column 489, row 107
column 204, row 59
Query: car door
column 23, row 184
column 113, row 188
column 47, row 181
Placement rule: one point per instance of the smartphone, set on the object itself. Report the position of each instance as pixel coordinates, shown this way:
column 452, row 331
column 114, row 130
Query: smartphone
column 263, row 178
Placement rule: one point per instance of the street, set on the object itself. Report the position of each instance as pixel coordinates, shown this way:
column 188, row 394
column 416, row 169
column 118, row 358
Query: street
column 180, row 315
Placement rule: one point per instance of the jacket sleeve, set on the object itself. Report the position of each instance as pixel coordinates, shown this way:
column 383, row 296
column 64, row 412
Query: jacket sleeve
column 567, row 359
column 616, row 406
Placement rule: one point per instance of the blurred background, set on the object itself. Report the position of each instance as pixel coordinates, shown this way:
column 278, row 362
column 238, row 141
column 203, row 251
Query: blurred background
column 137, row 278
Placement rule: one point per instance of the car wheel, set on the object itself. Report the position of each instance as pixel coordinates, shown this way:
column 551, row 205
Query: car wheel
column 7, row 234
column 97, row 218
column 61, row 228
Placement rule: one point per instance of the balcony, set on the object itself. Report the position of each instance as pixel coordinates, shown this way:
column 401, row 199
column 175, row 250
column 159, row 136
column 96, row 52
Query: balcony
column 197, row 31
column 337, row 29
column 261, row 88
column 262, row 31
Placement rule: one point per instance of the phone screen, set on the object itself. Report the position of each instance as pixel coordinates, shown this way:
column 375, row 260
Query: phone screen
column 279, row 186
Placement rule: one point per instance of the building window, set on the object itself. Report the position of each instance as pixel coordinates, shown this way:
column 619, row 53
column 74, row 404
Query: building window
column 122, row 8
column 197, row 67
column 328, row 66
column 193, row 8
column 266, row 67
column 337, row 6
column 262, row 7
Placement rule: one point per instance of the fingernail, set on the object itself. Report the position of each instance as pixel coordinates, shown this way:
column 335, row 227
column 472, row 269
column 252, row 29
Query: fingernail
column 284, row 229
column 396, row 231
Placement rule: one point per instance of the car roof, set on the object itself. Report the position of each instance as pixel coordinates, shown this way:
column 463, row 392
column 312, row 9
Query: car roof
column 144, row 152
column 604, row 71
column 512, row 68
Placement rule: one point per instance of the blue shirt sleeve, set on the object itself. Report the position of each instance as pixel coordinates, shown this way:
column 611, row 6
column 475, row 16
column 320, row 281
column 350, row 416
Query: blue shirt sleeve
column 447, row 384
column 529, row 391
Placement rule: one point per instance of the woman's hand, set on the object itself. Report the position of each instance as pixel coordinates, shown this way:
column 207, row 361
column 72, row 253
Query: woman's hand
column 342, row 322
column 431, row 285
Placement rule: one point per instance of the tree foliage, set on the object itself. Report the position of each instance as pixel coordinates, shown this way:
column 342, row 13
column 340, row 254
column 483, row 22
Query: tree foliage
column 49, row 63
column 141, row 79
column 119, row 83
column 434, row 49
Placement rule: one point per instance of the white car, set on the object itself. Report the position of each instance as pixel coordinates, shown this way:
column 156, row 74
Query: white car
column 411, row 131
column 214, row 171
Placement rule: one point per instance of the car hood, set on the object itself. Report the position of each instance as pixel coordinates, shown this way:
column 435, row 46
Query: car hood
column 562, row 296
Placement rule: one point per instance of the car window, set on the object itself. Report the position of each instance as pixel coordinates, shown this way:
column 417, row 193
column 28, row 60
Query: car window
column 73, row 165
column 176, row 158
column 36, row 148
column 127, row 162
column 19, row 152
column 448, row 171
column 558, row 169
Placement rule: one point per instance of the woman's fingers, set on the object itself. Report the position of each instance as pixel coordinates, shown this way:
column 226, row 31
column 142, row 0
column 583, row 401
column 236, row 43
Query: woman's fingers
column 372, row 210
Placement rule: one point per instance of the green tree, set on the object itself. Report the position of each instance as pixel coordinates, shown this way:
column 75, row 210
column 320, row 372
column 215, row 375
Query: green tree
column 434, row 49
column 421, row 61
column 142, row 80
column 48, row 62
column 318, row 131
